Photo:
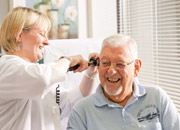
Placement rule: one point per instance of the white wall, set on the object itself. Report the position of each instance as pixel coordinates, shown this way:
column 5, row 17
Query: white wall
column 102, row 17
column 82, row 21
column 97, row 18
column 4, row 6
column 4, row 9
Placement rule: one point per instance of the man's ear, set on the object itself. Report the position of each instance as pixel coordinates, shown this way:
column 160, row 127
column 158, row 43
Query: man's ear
column 137, row 67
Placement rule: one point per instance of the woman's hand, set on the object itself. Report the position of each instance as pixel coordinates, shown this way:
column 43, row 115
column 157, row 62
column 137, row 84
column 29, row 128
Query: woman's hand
column 78, row 60
column 92, row 70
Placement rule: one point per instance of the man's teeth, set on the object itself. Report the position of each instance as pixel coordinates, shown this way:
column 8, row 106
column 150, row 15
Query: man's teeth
column 113, row 79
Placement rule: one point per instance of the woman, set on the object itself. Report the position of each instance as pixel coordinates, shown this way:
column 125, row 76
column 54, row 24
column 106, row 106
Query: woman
column 25, row 99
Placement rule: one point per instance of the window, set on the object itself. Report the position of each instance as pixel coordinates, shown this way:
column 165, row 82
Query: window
column 155, row 25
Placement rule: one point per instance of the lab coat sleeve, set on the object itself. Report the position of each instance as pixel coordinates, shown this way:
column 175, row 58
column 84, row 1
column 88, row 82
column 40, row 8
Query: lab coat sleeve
column 28, row 80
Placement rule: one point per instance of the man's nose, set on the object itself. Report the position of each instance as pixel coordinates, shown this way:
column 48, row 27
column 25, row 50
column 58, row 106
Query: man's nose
column 112, row 69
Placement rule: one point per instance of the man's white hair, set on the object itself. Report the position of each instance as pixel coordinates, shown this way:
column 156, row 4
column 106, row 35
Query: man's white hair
column 119, row 39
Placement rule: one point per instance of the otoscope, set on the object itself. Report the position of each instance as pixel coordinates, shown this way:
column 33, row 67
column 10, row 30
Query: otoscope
column 92, row 62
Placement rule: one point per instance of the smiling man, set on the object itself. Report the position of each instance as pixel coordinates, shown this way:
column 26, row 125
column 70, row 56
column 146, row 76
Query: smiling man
column 120, row 103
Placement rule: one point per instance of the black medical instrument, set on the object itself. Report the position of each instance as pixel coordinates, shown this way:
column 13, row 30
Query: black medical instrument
column 73, row 67
column 58, row 97
column 92, row 62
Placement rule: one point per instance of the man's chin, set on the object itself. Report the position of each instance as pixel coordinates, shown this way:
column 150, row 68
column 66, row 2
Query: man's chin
column 112, row 93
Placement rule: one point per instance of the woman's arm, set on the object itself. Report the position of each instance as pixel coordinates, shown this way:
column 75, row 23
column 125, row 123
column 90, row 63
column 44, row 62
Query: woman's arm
column 89, row 79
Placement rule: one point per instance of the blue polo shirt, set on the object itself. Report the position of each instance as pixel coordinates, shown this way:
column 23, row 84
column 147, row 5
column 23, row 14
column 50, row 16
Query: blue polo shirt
column 150, row 108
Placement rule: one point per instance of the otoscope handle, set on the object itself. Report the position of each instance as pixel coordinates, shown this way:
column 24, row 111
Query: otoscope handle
column 92, row 62
column 73, row 67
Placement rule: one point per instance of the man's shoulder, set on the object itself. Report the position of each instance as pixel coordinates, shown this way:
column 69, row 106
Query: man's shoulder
column 85, row 102
column 153, row 90
column 150, row 87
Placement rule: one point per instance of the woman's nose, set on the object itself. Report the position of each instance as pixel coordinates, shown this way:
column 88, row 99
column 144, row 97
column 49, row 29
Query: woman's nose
column 46, row 41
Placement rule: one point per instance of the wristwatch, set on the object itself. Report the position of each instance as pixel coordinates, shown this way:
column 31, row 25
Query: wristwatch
column 65, row 58
column 70, row 68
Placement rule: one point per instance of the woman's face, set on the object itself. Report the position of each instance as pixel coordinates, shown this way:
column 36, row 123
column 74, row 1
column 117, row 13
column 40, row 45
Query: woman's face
column 32, row 44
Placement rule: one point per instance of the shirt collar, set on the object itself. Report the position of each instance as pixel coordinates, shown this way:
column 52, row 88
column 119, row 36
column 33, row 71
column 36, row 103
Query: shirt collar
column 139, row 90
column 101, row 100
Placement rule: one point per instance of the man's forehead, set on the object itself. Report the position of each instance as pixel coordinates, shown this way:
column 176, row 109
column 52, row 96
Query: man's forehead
column 121, row 52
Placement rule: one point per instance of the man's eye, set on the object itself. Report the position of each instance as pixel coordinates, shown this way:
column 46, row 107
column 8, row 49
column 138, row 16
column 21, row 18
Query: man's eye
column 105, row 64
column 120, row 65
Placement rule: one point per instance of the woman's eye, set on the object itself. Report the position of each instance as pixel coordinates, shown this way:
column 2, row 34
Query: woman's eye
column 42, row 34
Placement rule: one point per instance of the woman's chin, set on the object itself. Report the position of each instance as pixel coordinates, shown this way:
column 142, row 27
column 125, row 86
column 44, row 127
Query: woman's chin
column 40, row 56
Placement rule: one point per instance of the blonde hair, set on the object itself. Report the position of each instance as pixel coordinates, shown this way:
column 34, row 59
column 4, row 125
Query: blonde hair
column 17, row 20
column 119, row 39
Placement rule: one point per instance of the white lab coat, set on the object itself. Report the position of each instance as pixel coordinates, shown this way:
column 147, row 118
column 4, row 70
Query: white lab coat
column 23, row 85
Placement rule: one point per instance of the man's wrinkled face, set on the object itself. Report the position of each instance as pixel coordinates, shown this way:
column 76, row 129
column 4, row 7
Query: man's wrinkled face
column 116, row 71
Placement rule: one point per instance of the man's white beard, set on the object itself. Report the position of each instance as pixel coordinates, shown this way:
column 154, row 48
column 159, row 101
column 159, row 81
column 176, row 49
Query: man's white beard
column 112, row 93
